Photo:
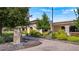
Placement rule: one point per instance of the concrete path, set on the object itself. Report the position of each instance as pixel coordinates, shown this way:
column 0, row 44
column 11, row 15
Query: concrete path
column 52, row 45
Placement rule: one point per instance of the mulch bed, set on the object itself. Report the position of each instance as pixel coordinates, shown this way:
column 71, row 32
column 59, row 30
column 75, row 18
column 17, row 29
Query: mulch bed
column 12, row 47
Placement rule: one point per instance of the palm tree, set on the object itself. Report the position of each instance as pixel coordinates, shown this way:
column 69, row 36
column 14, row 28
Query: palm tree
column 76, row 22
column 75, row 13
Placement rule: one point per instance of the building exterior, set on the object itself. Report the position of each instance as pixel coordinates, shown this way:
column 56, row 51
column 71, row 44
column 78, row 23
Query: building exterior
column 33, row 26
column 67, row 26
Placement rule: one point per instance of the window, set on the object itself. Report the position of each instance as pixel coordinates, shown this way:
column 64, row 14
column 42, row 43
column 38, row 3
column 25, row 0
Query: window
column 63, row 28
column 23, row 29
column 73, row 29
column 31, row 28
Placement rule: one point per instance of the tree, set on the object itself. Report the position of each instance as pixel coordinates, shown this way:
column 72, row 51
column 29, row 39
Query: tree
column 77, row 19
column 16, row 17
column 12, row 17
column 3, row 16
column 39, row 25
column 43, row 23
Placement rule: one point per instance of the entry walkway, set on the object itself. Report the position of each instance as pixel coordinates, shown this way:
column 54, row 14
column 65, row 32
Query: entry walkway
column 53, row 45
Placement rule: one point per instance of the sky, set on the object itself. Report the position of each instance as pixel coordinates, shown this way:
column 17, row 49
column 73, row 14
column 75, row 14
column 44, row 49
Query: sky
column 63, row 14
column 59, row 13
column 37, row 12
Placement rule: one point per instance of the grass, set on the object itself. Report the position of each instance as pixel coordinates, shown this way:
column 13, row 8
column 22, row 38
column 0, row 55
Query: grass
column 73, row 38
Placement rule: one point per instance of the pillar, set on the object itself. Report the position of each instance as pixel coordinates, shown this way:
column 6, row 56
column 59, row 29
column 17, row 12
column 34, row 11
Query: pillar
column 67, row 29
column 40, row 31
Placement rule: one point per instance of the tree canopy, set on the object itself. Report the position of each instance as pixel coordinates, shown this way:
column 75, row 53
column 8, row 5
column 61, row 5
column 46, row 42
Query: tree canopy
column 43, row 23
column 15, row 17
column 77, row 19
column 12, row 17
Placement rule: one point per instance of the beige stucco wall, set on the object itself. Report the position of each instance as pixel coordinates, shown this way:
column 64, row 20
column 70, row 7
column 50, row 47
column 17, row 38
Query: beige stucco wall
column 56, row 28
column 34, row 27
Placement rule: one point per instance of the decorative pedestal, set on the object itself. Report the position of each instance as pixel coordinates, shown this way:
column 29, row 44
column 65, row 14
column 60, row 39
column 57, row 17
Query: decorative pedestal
column 17, row 36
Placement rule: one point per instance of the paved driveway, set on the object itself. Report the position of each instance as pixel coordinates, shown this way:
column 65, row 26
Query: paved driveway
column 52, row 45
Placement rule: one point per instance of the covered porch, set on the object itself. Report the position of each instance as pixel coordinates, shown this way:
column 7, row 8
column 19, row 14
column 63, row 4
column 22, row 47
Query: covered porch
column 67, row 26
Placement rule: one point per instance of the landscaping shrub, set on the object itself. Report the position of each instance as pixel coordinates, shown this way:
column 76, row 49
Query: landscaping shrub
column 8, row 36
column 54, row 35
column 24, row 32
column 8, row 39
column 73, row 38
column 34, row 33
column 63, row 36
column 60, row 35
column 1, row 40
column 45, row 34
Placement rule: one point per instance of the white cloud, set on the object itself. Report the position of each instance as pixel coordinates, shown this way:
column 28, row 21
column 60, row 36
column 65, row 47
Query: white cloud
column 45, row 10
column 63, row 19
column 67, row 11
column 37, row 15
column 31, row 19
